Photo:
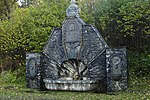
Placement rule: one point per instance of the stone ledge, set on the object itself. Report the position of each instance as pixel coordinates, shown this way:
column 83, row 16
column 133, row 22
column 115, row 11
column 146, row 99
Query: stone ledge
column 73, row 85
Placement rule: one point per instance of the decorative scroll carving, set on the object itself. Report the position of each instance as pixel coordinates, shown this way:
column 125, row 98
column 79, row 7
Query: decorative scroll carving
column 73, row 70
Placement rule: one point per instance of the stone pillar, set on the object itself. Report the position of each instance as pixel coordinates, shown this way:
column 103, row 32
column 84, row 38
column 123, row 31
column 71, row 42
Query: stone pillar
column 117, row 75
column 33, row 70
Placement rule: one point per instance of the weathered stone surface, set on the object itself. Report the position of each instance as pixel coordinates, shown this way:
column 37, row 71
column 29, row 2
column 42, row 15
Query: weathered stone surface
column 72, row 10
column 72, row 37
column 50, row 68
column 117, row 73
column 54, row 48
column 93, row 44
column 97, row 68
column 72, row 85
column 74, row 69
column 33, row 70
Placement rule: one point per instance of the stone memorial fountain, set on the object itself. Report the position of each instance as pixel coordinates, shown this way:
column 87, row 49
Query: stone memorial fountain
column 77, row 58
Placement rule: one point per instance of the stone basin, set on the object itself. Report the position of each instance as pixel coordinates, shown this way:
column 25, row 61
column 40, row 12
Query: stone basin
column 73, row 85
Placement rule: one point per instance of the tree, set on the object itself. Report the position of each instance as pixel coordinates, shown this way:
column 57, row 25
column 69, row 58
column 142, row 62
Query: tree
column 124, row 22
column 28, row 29
column 87, row 8
column 127, row 23
column 6, row 7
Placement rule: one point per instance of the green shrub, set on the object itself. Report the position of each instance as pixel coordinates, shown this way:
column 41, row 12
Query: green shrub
column 16, row 77
column 124, row 23
column 8, row 77
column 139, row 64
column 28, row 30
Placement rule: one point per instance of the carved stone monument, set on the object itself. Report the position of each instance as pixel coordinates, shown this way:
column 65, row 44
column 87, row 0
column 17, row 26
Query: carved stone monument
column 76, row 58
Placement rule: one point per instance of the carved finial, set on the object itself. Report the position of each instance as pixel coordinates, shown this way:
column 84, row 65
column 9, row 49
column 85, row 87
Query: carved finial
column 73, row 1
column 73, row 9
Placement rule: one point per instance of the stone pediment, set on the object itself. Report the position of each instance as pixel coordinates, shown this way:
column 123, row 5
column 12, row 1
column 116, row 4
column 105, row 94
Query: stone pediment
column 75, row 40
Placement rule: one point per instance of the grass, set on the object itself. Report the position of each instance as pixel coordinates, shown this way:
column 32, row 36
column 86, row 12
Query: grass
column 19, row 93
column 12, row 89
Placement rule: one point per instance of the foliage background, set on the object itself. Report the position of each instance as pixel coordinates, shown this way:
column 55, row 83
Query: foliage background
column 121, row 22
